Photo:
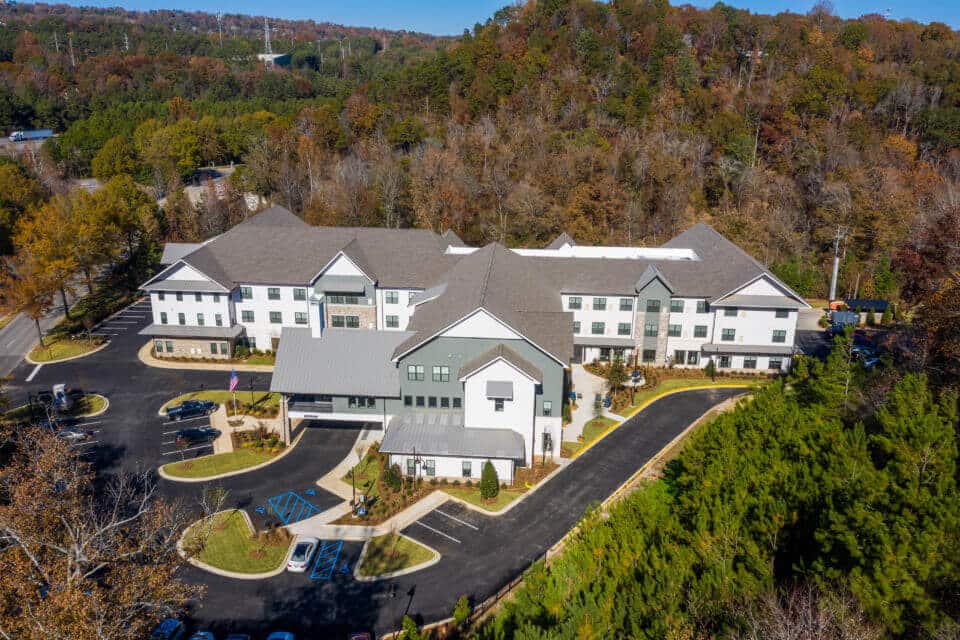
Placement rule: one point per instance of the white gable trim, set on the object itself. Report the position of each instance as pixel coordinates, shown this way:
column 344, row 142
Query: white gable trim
column 494, row 361
column 181, row 263
column 773, row 280
column 333, row 260
column 498, row 331
column 452, row 324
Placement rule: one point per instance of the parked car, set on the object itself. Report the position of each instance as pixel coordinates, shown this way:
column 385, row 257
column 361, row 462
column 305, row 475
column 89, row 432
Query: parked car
column 168, row 629
column 74, row 435
column 196, row 435
column 203, row 635
column 281, row 635
column 303, row 551
column 190, row 409
column 238, row 636
column 61, row 399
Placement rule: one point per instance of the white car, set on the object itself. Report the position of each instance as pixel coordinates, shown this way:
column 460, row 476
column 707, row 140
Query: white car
column 303, row 550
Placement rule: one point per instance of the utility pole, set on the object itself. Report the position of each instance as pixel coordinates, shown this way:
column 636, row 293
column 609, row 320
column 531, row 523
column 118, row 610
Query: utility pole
column 126, row 42
column 220, row 26
column 56, row 41
column 841, row 234
column 266, row 37
column 73, row 59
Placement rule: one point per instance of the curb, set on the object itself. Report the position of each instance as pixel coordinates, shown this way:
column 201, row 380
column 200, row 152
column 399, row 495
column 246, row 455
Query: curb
column 646, row 403
column 508, row 507
column 144, row 356
column 398, row 573
column 106, row 405
column 106, row 343
column 163, row 474
column 232, row 574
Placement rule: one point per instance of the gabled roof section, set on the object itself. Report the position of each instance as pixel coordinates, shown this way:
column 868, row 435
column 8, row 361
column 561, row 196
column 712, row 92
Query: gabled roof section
column 650, row 274
column 158, row 282
column 505, row 353
column 506, row 286
column 174, row 251
column 450, row 239
column 562, row 239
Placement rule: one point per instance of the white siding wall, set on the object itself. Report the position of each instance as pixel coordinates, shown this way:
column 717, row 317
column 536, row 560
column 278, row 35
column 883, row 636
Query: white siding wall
column 517, row 414
column 402, row 309
column 480, row 325
column 611, row 317
column 553, row 426
column 190, row 308
column 689, row 319
column 452, row 467
column 754, row 327
column 261, row 328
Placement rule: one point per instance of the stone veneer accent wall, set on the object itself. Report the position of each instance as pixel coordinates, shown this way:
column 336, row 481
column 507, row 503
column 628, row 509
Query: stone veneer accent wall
column 366, row 313
column 192, row 348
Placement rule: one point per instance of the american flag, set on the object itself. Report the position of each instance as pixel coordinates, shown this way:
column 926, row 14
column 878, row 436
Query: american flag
column 234, row 380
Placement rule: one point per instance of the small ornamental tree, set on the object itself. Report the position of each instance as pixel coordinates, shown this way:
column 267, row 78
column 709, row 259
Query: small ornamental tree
column 711, row 369
column 461, row 611
column 887, row 316
column 871, row 317
column 392, row 477
column 489, row 482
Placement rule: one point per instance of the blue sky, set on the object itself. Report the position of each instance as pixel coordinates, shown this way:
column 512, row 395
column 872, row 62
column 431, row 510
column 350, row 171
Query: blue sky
column 451, row 17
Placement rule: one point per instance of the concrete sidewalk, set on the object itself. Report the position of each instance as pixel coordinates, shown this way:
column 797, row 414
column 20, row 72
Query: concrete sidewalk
column 147, row 358
column 317, row 525
column 587, row 385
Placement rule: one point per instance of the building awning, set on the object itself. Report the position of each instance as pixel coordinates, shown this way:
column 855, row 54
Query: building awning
column 758, row 349
column 500, row 389
column 185, row 331
column 441, row 433
column 192, row 286
column 758, row 302
column 604, row 341
column 342, row 284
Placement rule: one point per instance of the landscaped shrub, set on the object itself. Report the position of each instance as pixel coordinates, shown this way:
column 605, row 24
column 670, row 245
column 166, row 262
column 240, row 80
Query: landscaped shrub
column 392, row 477
column 567, row 414
column 871, row 318
column 468, row 483
column 489, row 482
column 887, row 316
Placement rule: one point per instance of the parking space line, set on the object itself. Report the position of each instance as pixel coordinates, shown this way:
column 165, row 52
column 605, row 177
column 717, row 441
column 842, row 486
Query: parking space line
column 203, row 446
column 169, row 442
column 121, row 322
column 33, row 373
column 186, row 420
column 456, row 519
column 83, row 444
column 92, row 422
column 426, row 526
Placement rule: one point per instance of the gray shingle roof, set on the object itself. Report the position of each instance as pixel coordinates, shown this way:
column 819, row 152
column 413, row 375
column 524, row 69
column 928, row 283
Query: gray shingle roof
column 185, row 285
column 173, row 251
column 758, row 302
column 560, row 240
column 342, row 362
column 441, row 433
column 189, row 331
column 500, row 351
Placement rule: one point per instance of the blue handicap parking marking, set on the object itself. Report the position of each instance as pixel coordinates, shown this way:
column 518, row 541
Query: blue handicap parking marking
column 292, row 507
column 326, row 560
column 311, row 492
column 260, row 510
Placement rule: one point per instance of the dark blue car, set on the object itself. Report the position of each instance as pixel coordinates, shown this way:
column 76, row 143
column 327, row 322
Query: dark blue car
column 190, row 409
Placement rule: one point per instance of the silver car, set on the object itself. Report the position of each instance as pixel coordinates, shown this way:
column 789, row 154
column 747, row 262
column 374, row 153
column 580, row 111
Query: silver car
column 303, row 550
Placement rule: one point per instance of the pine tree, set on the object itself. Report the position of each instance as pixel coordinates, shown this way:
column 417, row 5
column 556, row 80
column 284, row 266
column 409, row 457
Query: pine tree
column 489, row 482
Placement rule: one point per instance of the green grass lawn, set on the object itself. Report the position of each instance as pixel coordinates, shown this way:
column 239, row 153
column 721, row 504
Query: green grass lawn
column 260, row 360
column 472, row 495
column 232, row 547
column 86, row 404
column 591, row 431
column 368, row 474
column 214, row 465
column 392, row 552
column 64, row 348
column 222, row 396
column 673, row 384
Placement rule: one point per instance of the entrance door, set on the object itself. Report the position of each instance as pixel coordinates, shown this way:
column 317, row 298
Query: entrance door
column 577, row 354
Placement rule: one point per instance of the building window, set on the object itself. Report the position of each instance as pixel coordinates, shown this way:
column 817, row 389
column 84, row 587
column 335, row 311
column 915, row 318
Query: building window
column 776, row 364
column 548, row 408
column 674, row 330
column 623, row 329
column 179, row 296
column 182, row 318
column 163, row 317
column 693, row 357
column 416, row 372
column 651, row 329
column 599, row 304
column 653, row 306
column 199, row 319
column 352, row 402
column 444, row 402
column 343, row 299
column 649, row 355
column 432, row 402
column 251, row 342
column 702, row 306
column 749, row 362
column 574, row 302
column 597, row 328
column 161, row 295
column 411, row 467
column 458, row 403
column 730, row 312
column 300, row 317
column 216, row 297
column 336, row 321
column 604, row 354
column 246, row 293
column 679, row 356
column 779, row 335
column 408, row 401
column 626, row 304
column 498, row 405
column 213, row 348
column 276, row 317
column 441, row 374
column 218, row 319
column 421, row 401
column 198, row 297
column 223, row 348
column 273, row 293
column 466, row 469
column 576, row 326
column 676, row 306
column 782, row 313
column 723, row 362
column 727, row 335
column 700, row 331
column 299, row 294
column 430, row 467
column 158, row 346
column 391, row 297
column 393, row 322
column 371, row 402
column 169, row 344
column 246, row 315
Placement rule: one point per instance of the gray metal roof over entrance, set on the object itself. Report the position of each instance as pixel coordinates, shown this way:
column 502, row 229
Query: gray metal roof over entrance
column 184, row 331
column 441, row 433
column 758, row 349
